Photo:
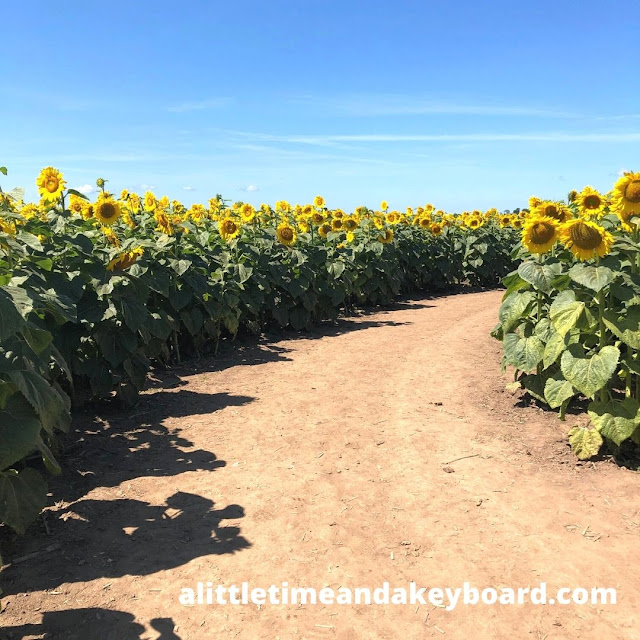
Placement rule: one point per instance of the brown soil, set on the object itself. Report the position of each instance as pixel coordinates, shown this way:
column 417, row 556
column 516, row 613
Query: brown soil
column 382, row 448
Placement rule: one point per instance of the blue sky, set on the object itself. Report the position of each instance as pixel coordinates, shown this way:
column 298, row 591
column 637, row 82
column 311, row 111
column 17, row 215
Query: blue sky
column 462, row 104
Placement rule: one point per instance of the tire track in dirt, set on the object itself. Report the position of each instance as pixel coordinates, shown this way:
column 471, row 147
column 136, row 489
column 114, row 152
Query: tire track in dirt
column 338, row 463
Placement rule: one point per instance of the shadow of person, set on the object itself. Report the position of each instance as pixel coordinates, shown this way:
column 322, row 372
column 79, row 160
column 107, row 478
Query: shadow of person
column 82, row 624
column 166, row 628
column 115, row 538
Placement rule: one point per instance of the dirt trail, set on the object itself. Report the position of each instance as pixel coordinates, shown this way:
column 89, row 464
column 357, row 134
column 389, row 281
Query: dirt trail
column 385, row 449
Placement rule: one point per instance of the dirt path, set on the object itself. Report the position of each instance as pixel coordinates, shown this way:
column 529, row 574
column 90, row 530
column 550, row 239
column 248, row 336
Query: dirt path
column 325, row 460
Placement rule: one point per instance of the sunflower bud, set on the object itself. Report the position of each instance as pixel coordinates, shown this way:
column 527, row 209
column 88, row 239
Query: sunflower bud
column 100, row 183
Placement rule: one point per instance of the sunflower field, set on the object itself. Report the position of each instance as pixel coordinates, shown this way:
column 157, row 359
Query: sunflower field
column 570, row 317
column 95, row 293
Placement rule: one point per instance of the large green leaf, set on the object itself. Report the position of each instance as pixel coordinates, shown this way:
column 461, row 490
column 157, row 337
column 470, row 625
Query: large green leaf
column 586, row 373
column 539, row 275
column 11, row 319
column 591, row 276
column 626, row 327
column 512, row 310
column 565, row 311
column 557, row 390
column 19, row 430
column 523, row 353
column 47, row 402
column 555, row 345
column 615, row 420
column 585, row 443
column 38, row 339
column 22, row 497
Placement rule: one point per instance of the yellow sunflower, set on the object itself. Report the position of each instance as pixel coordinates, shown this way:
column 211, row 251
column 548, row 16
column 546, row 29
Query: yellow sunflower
column 475, row 222
column 387, row 238
column 425, row 223
column 318, row 201
column 247, row 213
column 317, row 218
column 50, row 184
column 125, row 260
column 516, row 222
column 111, row 236
column 384, row 205
column 88, row 209
column 539, row 234
column 585, row 239
column 572, row 196
column 75, row 204
column 149, row 202
column 286, row 234
column 336, row 224
column 590, row 202
column 393, row 217
column 229, row 229
column 556, row 210
column 436, row 229
column 106, row 210
column 350, row 223
column 164, row 224
column 324, row 229
column 626, row 196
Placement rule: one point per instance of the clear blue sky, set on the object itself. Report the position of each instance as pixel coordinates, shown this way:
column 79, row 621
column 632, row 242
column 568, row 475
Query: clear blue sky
column 463, row 104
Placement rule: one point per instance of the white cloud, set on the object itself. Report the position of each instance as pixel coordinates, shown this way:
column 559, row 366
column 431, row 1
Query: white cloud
column 86, row 189
column 189, row 188
column 147, row 187
column 199, row 105
column 251, row 187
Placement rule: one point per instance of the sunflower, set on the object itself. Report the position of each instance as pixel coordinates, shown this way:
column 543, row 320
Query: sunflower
column 590, row 202
column 504, row 220
column 149, row 202
column 106, row 210
column 393, row 217
column 286, row 234
column 304, row 225
column 572, row 196
column 350, row 223
column 387, row 238
column 626, row 196
column 50, row 184
column 585, row 239
column 516, row 222
column 336, row 224
column 436, row 229
column 338, row 213
column 557, row 210
column 324, row 229
column 134, row 202
column 247, row 213
column 539, row 234
column 534, row 202
column 229, row 229
column 384, row 205
column 351, row 236
column 125, row 260
column 318, row 201
column 317, row 218
column 283, row 206
column 164, row 222
column 475, row 222
column 88, row 210
column 111, row 236
column 425, row 223
column 75, row 204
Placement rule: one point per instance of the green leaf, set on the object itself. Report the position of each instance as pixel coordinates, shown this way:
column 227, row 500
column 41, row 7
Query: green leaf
column 555, row 345
column 180, row 266
column 47, row 402
column 22, row 497
column 38, row 339
column 48, row 458
column 523, row 353
column 591, row 276
column 11, row 319
column 133, row 311
column 19, row 429
column 3, row 170
column 565, row 312
column 557, row 390
column 77, row 193
column 539, row 275
column 512, row 310
column 627, row 327
column 589, row 374
column 244, row 273
column 615, row 420
column 585, row 442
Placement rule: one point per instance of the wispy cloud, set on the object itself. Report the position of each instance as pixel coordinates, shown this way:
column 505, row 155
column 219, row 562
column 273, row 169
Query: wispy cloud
column 399, row 105
column 188, row 188
column 86, row 189
column 147, row 187
column 251, row 187
column 200, row 105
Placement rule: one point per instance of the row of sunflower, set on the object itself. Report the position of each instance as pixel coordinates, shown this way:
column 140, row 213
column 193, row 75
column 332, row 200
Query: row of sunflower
column 570, row 317
column 93, row 292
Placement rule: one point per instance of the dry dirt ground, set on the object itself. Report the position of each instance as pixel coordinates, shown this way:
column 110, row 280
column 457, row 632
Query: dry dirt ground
column 383, row 448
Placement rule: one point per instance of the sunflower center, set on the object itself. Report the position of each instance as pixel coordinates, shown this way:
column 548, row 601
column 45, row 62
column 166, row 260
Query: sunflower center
column 632, row 191
column 542, row 232
column 584, row 236
column 287, row 234
column 107, row 210
column 592, row 202
column 551, row 210
column 52, row 185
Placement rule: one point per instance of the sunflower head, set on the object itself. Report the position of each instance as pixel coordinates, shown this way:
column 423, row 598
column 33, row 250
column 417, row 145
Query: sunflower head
column 386, row 237
column 585, row 239
column 125, row 260
column 626, row 196
column 436, row 229
column 350, row 223
column 228, row 228
column 286, row 234
column 106, row 210
column 317, row 218
column 149, row 201
column 591, row 202
column 572, row 196
column 324, row 229
column 50, row 184
column 540, row 234
column 384, row 205
column 318, row 201
column 336, row 224
column 75, row 204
